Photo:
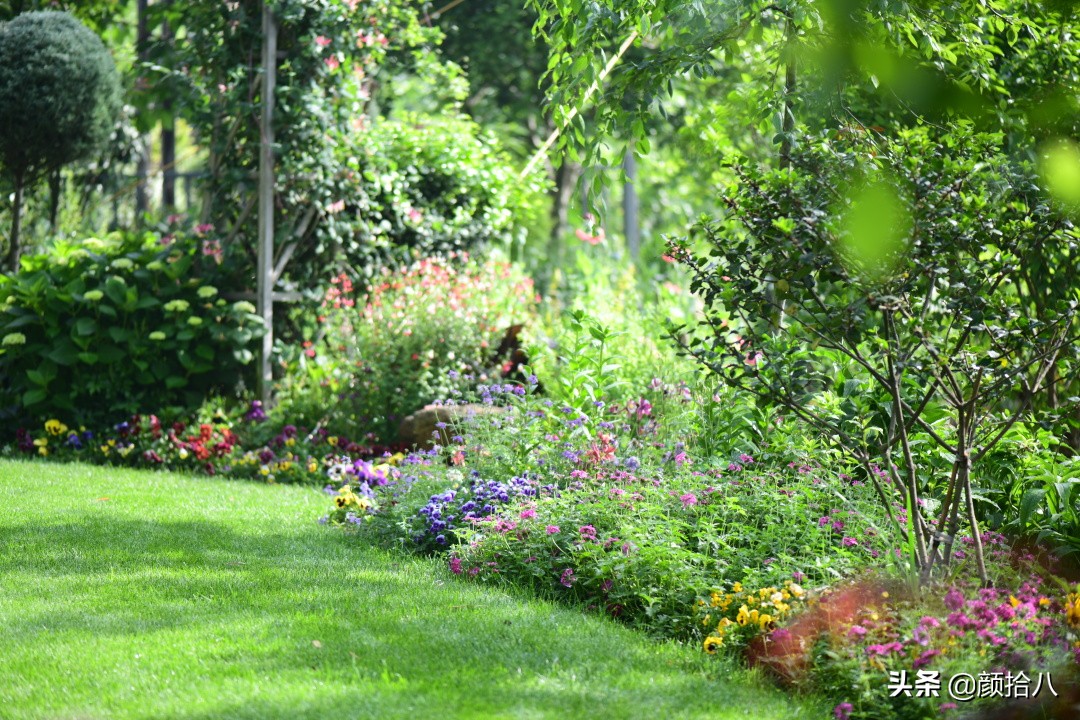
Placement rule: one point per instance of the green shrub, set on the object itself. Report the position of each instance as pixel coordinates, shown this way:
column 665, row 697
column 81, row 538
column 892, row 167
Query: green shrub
column 414, row 337
column 59, row 98
column 113, row 326
column 425, row 186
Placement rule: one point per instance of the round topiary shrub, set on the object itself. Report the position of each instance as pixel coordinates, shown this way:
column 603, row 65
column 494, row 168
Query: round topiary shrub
column 59, row 98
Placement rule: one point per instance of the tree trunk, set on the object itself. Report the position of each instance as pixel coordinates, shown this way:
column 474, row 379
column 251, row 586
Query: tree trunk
column 631, row 228
column 55, row 186
column 787, row 123
column 168, row 147
column 12, row 261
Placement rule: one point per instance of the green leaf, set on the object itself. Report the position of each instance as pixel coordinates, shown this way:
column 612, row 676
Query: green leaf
column 33, row 397
column 85, row 326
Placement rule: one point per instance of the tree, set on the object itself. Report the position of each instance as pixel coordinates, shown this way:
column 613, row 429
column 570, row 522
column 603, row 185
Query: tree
column 59, row 99
column 889, row 317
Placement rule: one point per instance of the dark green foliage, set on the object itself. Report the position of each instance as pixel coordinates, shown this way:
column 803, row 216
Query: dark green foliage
column 104, row 328
column 59, row 97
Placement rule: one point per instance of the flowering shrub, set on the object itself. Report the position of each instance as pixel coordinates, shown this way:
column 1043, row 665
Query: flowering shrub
column 112, row 326
column 409, row 339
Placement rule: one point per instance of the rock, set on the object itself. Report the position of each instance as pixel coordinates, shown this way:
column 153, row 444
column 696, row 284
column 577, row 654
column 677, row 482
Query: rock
column 419, row 429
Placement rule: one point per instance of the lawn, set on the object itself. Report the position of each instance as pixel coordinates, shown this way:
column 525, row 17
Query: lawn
column 128, row 594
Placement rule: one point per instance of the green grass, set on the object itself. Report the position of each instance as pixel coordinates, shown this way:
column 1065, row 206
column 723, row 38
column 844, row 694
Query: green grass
column 130, row 594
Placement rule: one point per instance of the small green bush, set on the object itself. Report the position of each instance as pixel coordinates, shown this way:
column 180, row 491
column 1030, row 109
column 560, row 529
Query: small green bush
column 114, row 326
column 59, row 99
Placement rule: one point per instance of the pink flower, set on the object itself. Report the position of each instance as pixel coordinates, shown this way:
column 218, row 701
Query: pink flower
column 688, row 499
column 590, row 239
column 415, row 215
column 588, row 532
column 336, row 206
column 332, row 62
column 567, row 578
column 322, row 41
column 455, row 565
column 526, row 514
column 212, row 248
column 849, row 542
column 954, row 599
column 843, row 711
column 856, row 631
column 552, row 529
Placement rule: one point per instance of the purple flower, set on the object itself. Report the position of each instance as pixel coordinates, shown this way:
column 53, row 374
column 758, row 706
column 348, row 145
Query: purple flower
column 843, row 711
column 856, row 631
column 588, row 532
column 798, row 576
column 823, row 521
column 745, row 459
column 526, row 514
column 552, row 529
column 954, row 599
column 688, row 499
column 632, row 463
column 455, row 565
column 849, row 542
column 925, row 658
column 567, row 578
column 256, row 413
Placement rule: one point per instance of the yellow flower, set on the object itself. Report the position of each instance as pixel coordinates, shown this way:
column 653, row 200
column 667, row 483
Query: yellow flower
column 743, row 616
column 712, row 644
column 796, row 590
column 1044, row 602
column 706, row 620
column 737, row 587
column 723, row 625
column 777, row 598
column 396, row 458
column 345, row 500
column 764, row 620
column 43, row 451
column 1072, row 611
column 312, row 466
column 332, row 441
column 55, row 427
column 753, row 617
column 1013, row 601
column 290, row 442
column 714, row 599
column 183, row 453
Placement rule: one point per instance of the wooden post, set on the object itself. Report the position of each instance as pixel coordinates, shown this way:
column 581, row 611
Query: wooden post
column 141, row 42
column 265, row 262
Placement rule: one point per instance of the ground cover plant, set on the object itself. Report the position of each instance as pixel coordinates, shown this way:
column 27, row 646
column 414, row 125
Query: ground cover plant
column 120, row 602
